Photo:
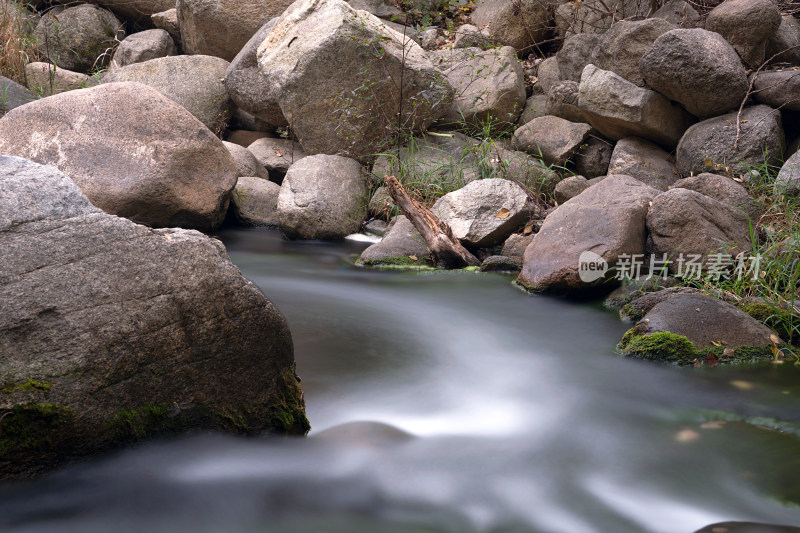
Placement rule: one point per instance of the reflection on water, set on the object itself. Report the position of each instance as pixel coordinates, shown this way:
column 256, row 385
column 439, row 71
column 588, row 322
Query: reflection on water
column 450, row 402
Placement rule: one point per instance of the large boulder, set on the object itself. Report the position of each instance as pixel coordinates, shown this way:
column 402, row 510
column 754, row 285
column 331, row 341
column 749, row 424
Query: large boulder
column 254, row 202
column 684, row 64
column 246, row 162
column 575, row 54
column 78, row 38
column 724, row 189
column 747, row 25
column 517, row 23
column 143, row 46
column 705, row 321
column 484, row 212
column 247, row 85
column 131, row 150
column 778, row 88
column 14, row 95
column 562, row 101
column 356, row 110
column 112, row 332
column 785, row 43
column 323, row 197
column 684, row 223
column 549, row 74
column 535, row 106
column 222, row 27
column 644, row 161
column 550, row 138
column 195, row 82
column 168, row 21
column 604, row 222
column 711, row 144
column 46, row 79
column 489, row 85
column 618, row 108
column 621, row 48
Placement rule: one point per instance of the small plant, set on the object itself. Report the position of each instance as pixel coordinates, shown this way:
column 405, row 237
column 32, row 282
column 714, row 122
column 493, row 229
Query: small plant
column 18, row 43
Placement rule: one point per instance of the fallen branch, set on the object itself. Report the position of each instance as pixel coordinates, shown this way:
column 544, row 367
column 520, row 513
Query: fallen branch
column 447, row 250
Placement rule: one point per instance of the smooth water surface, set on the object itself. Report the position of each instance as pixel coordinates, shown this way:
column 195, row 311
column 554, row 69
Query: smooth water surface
column 451, row 402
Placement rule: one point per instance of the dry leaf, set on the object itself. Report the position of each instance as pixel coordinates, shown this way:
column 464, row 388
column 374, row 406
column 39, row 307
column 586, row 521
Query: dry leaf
column 528, row 229
column 697, row 309
column 414, row 257
column 696, row 362
column 774, row 338
column 711, row 360
column 278, row 153
column 687, row 435
column 728, row 352
column 503, row 213
column 718, row 343
column 742, row 385
column 709, row 162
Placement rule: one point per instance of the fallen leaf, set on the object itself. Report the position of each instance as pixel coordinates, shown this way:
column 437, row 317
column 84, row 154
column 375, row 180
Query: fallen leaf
column 774, row 338
column 697, row 309
column 774, row 350
column 696, row 362
column 742, row 385
column 718, row 343
column 709, row 162
column 728, row 352
column 711, row 360
column 503, row 213
column 414, row 257
column 278, row 153
column 687, row 435
column 528, row 229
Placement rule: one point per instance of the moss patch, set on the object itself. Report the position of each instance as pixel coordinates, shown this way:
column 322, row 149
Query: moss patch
column 143, row 422
column 397, row 262
column 30, row 385
column 34, row 428
column 288, row 416
column 773, row 317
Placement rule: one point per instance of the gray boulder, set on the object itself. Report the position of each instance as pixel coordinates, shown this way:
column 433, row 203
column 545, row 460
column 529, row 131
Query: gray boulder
column 515, row 245
column 402, row 245
column 385, row 9
column 469, row 36
column 553, row 139
column 596, row 16
column 136, row 10
column 607, row 220
column 723, row 189
column 778, row 88
column 78, row 38
column 276, row 155
column 483, row 212
column 621, row 48
column 747, row 25
column 195, row 82
column 254, row 202
column 143, row 46
column 709, row 145
column 129, row 331
column 323, row 197
column 489, row 87
column 517, row 23
column 680, row 13
column 562, row 102
column 644, row 161
column 705, row 321
column 784, row 43
column 221, row 28
column 246, row 84
column 246, row 162
column 618, row 108
column 683, row 223
column 168, row 170
column 549, row 74
column 788, row 180
column 575, row 54
column 46, row 79
column 14, row 95
column 683, row 64
column 355, row 111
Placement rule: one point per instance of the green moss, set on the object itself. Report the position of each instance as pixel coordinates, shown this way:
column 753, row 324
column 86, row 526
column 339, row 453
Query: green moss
column 288, row 416
column 34, row 428
column 30, row 385
column 661, row 346
column 773, row 317
column 143, row 422
column 397, row 262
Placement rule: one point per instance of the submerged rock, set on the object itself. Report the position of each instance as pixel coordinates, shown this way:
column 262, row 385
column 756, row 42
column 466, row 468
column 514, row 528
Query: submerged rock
column 112, row 332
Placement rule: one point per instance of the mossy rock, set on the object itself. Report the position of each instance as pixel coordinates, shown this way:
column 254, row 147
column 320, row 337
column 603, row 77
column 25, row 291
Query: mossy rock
column 397, row 263
column 780, row 320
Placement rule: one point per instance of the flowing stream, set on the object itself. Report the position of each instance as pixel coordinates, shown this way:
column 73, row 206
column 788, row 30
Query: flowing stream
column 450, row 402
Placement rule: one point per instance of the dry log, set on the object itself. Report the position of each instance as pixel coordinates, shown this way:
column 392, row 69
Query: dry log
column 447, row 250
